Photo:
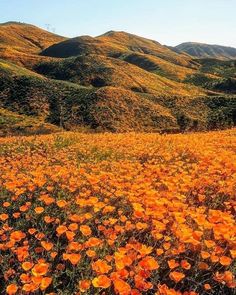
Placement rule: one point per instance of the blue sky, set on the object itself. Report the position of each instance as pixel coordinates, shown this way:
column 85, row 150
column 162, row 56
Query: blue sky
column 168, row 21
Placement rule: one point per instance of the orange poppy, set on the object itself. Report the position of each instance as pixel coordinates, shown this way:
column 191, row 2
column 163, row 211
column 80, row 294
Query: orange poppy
column 74, row 246
column 46, row 281
column 166, row 246
column 176, row 276
column 32, row 231
column 39, row 210
column 93, row 242
column 149, row 263
column 17, row 236
column 47, row 245
column 73, row 226
column 6, row 204
column 61, row 203
column 12, row 289
column 101, row 266
column 205, row 254
column 27, row 265
column 84, row 285
column 91, row 253
column 121, row 287
column 233, row 253
column 172, row 264
column 31, row 287
column 25, row 278
column 4, row 217
column 73, row 258
column 101, row 281
column 40, row 269
column 225, row 261
column 207, row 287
column 159, row 251
column 61, row 229
column 203, row 266
column 185, row 264
column 86, row 230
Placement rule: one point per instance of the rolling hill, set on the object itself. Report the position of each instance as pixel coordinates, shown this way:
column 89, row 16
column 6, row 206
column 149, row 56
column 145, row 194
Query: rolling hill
column 201, row 50
column 21, row 43
column 98, row 71
column 116, row 44
column 115, row 82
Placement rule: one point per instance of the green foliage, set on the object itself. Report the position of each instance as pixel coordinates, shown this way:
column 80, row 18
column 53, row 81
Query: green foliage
column 225, row 69
column 199, row 79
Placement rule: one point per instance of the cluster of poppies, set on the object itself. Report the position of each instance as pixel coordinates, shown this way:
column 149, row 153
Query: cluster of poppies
column 124, row 214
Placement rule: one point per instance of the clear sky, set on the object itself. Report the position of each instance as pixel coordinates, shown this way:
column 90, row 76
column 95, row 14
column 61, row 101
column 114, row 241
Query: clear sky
column 168, row 21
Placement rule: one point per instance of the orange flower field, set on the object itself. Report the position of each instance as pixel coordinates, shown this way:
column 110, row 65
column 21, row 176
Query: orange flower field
column 118, row 214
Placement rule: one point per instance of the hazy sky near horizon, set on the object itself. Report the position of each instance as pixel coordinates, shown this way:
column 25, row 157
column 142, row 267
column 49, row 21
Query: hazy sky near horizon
column 168, row 21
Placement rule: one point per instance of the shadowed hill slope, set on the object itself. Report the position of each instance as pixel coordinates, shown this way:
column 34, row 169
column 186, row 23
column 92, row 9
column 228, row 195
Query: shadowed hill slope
column 69, row 105
column 72, row 106
column 201, row 50
column 98, row 71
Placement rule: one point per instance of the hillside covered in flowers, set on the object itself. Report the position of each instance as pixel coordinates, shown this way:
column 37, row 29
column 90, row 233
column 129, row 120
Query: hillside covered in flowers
column 124, row 214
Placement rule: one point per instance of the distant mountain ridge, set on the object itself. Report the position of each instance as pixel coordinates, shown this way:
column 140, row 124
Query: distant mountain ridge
column 201, row 50
column 115, row 82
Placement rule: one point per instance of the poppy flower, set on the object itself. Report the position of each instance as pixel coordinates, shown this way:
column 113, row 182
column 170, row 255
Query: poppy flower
column 46, row 281
column 84, row 285
column 225, row 261
column 12, row 289
column 47, row 245
column 6, row 204
column 39, row 210
column 73, row 226
column 101, row 266
column 207, row 287
column 205, row 254
column 4, row 217
column 172, row 264
column 61, row 203
column 121, row 287
column 61, row 229
column 176, row 276
column 74, row 246
column 185, row 264
column 149, row 263
column 25, row 278
column 73, row 258
column 86, row 230
column 27, row 265
column 91, row 253
column 101, row 281
column 40, row 269
column 17, row 236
